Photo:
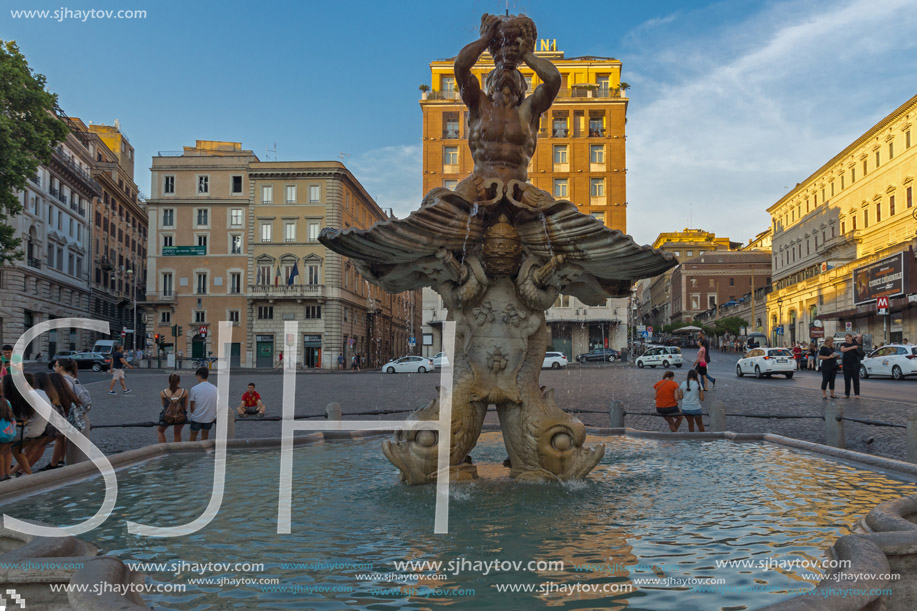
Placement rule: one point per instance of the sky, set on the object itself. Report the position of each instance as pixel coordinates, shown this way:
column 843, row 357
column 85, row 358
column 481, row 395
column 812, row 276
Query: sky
column 732, row 103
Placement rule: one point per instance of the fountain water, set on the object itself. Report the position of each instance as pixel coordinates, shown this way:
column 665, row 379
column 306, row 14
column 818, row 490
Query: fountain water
column 499, row 251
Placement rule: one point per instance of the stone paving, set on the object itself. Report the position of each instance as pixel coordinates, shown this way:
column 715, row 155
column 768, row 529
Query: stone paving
column 590, row 388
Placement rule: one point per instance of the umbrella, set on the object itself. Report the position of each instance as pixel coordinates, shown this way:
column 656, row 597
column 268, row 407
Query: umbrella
column 687, row 329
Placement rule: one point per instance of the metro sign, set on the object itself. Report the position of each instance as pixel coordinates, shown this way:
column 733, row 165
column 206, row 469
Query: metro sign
column 882, row 305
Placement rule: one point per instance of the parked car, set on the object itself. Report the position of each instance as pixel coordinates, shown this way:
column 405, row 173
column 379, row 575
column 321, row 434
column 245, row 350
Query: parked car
column 86, row 360
column 440, row 359
column 554, row 360
column 764, row 362
column 598, row 354
column 62, row 354
column 661, row 355
column 409, row 364
column 896, row 360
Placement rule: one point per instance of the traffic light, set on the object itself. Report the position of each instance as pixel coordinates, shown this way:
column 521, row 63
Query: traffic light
column 157, row 339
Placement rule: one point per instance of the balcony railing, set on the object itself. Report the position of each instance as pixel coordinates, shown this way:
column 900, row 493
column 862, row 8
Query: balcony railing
column 33, row 262
column 450, row 134
column 284, row 291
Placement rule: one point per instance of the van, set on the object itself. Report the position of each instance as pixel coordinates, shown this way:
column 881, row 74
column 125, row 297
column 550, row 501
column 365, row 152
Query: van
column 760, row 339
column 105, row 346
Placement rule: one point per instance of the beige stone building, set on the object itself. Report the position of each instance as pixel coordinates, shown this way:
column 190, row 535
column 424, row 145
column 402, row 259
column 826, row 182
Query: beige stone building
column 198, row 248
column 854, row 216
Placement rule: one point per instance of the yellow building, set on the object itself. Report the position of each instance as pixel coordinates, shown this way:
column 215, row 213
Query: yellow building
column 855, row 211
column 580, row 154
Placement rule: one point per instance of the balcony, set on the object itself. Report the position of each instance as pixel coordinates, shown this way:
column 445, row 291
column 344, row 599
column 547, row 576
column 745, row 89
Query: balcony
column 296, row 291
column 165, row 297
column 106, row 263
column 33, row 262
column 450, row 134
column 75, row 172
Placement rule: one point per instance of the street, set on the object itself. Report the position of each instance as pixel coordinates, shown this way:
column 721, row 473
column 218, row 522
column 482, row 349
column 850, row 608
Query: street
column 578, row 388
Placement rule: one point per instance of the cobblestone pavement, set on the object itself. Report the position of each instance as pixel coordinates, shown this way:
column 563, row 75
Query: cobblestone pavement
column 590, row 388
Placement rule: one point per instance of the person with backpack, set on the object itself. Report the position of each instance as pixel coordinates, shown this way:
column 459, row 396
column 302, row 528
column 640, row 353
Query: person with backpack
column 174, row 412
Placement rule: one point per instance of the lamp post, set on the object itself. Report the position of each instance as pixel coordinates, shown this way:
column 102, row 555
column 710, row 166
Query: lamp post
column 130, row 275
column 779, row 318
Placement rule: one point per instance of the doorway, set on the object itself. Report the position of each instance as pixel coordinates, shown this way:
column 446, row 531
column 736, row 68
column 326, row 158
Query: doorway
column 235, row 354
column 264, row 351
column 197, row 347
column 312, row 353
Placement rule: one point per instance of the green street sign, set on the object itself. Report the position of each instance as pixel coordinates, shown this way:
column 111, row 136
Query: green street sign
column 176, row 251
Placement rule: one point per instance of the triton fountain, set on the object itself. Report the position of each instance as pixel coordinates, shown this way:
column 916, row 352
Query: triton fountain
column 499, row 251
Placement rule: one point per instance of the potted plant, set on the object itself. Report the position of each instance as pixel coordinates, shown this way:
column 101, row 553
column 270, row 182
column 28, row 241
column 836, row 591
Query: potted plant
column 624, row 87
column 424, row 88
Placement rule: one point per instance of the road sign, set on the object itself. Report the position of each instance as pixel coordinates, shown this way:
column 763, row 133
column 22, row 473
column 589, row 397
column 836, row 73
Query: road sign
column 351, row 341
column 644, row 334
column 123, row 333
column 202, row 331
column 848, row 326
column 649, row 330
column 779, row 330
column 882, row 305
column 177, row 251
column 412, row 341
column 641, row 328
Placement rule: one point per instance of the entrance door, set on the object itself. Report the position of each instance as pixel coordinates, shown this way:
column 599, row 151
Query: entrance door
column 264, row 351
column 312, row 353
column 197, row 347
column 235, row 354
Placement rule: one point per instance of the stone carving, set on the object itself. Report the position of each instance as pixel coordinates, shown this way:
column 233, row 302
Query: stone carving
column 499, row 251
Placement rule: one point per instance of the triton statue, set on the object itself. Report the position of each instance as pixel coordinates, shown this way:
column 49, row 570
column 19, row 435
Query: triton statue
column 499, row 251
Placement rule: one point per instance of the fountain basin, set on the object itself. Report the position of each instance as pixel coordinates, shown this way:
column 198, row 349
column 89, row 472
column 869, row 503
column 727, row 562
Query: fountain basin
column 679, row 505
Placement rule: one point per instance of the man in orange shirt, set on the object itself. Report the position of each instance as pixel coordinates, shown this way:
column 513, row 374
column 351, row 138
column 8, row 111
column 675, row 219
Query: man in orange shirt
column 666, row 401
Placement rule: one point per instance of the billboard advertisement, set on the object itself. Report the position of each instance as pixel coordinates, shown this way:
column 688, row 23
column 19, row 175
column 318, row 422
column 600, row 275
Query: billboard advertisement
column 884, row 278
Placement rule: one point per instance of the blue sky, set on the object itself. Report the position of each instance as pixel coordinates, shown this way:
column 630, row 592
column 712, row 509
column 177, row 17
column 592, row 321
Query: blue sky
column 732, row 102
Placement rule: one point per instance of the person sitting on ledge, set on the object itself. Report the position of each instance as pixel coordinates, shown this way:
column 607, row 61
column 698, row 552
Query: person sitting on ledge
column 251, row 403
column 666, row 401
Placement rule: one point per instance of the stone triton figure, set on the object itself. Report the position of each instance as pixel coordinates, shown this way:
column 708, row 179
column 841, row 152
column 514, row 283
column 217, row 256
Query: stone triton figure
column 499, row 251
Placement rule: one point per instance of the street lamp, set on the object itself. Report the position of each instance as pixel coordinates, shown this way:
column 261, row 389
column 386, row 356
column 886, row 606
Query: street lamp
column 130, row 274
column 779, row 317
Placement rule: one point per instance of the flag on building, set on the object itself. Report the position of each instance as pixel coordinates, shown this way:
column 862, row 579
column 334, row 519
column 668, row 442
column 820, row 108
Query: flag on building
column 293, row 273
column 277, row 276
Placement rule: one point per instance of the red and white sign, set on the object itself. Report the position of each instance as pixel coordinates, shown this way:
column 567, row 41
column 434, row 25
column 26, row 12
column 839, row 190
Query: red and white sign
column 202, row 331
column 882, row 304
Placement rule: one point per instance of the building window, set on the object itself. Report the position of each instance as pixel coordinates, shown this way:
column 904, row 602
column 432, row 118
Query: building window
column 235, row 283
column 168, row 185
column 313, row 274
column 597, row 126
column 201, row 283
column 864, row 167
column 203, row 217
column 235, row 244
column 891, row 151
column 291, row 194
column 265, row 312
column 907, row 139
column 236, row 185
column 235, row 217
column 167, row 285
column 597, row 187
column 266, row 231
column 264, row 275
column 313, row 231
column 233, row 316
column 450, row 155
column 267, row 194
column 289, row 232
column 448, row 85
column 909, row 197
column 891, row 205
column 313, row 311
column 168, row 217
column 559, row 128
column 203, row 185
column 165, row 317
column 560, row 187
column 842, row 184
column 315, row 194
column 167, row 240
column 599, row 216
column 202, row 241
column 695, row 301
column 865, row 219
column 200, row 316
column 450, row 125
column 450, row 184
column 560, row 154
column 596, row 153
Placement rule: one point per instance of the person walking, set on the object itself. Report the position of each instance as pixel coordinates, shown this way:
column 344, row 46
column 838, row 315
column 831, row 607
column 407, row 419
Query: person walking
column 174, row 413
column 666, row 400
column 691, row 396
column 850, row 350
column 827, row 356
column 118, row 365
column 203, row 405
column 706, row 375
column 700, row 363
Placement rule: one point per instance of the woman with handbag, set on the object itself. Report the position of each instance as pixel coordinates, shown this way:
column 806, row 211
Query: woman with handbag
column 174, row 409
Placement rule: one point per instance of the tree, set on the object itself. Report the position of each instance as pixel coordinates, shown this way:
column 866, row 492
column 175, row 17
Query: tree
column 731, row 325
column 29, row 131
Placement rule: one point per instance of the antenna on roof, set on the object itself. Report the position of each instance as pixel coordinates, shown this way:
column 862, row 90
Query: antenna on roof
column 507, row 8
column 268, row 151
column 343, row 156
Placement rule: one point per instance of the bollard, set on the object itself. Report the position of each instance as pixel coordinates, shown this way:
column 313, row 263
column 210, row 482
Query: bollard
column 333, row 412
column 718, row 416
column 616, row 414
column 73, row 454
column 834, row 428
column 912, row 437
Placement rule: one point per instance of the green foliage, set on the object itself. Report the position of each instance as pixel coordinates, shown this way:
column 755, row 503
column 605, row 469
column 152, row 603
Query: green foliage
column 29, row 131
column 732, row 325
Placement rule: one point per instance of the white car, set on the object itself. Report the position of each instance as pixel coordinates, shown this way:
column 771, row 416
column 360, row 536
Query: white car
column 409, row 364
column 440, row 360
column 897, row 361
column 764, row 362
column 554, row 360
column 661, row 355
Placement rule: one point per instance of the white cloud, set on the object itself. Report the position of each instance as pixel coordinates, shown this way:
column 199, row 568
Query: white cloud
column 392, row 175
column 731, row 119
